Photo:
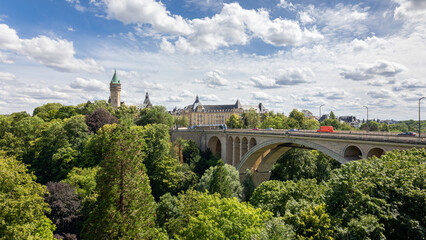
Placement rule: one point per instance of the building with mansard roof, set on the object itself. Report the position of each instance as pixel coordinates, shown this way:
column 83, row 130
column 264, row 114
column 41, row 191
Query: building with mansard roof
column 146, row 103
column 200, row 114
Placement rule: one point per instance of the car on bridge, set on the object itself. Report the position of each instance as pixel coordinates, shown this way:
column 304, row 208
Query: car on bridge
column 293, row 130
column 269, row 129
column 407, row 134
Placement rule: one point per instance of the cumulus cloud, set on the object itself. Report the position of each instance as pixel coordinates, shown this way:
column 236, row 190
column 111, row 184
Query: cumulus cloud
column 5, row 59
column 150, row 85
column 409, row 84
column 374, row 42
column 262, row 96
column 410, row 9
column 41, row 93
column 366, row 71
column 128, row 74
column 54, row 53
column 286, row 4
column 90, row 85
column 209, row 98
column 294, row 76
column 331, row 94
column 263, row 82
column 214, row 79
column 382, row 93
column 174, row 99
column 186, row 93
column 233, row 25
column 146, row 12
column 6, row 76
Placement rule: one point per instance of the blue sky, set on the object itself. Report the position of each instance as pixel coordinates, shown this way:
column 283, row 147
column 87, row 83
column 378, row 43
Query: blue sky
column 285, row 54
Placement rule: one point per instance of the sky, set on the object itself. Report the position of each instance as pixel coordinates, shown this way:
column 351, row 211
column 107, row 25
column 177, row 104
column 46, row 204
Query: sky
column 285, row 54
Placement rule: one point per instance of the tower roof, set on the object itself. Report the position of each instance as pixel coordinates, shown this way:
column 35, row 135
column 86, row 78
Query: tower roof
column 147, row 101
column 115, row 78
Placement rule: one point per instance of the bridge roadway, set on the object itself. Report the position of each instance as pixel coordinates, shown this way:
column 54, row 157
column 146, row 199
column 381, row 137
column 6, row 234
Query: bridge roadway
column 258, row 150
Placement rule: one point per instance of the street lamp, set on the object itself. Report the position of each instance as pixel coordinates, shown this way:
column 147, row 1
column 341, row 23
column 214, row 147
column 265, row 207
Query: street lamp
column 319, row 119
column 419, row 115
column 367, row 118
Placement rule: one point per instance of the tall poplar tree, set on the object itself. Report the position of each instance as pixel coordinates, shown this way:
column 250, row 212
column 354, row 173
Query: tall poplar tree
column 125, row 206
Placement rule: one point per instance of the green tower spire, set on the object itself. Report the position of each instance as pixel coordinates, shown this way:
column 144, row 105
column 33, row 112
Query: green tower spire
column 114, row 78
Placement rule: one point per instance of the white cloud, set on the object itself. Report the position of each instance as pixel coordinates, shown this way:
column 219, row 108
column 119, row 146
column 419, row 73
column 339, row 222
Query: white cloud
column 41, row 93
column 264, row 82
column 294, row 76
column 9, row 40
column 366, row 71
column 286, row 4
column 205, row 5
column 372, row 43
column 214, row 79
column 70, row 29
column 409, row 84
column 55, row 53
column 305, row 18
column 410, row 10
column 150, row 85
column 6, row 76
column 166, row 46
column 209, row 98
column 174, row 99
column 382, row 93
column 332, row 94
column 232, row 26
column 146, row 11
column 5, row 59
column 186, row 93
column 127, row 74
column 90, row 85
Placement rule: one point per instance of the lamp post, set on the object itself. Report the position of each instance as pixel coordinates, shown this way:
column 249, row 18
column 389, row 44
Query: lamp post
column 368, row 128
column 419, row 115
column 319, row 119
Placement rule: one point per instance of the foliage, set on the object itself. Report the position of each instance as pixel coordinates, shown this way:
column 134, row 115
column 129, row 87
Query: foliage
column 65, row 208
column 223, row 179
column 99, row 118
column 234, row 121
column 48, row 111
column 181, row 121
column 84, row 181
column 23, row 209
column 301, row 163
column 165, row 172
column 298, row 117
column 250, row 119
column 248, row 185
column 275, row 229
column 273, row 195
column 89, row 107
column 155, row 115
column 166, row 209
column 59, row 148
column 204, row 216
column 207, row 160
column 125, row 206
column 390, row 188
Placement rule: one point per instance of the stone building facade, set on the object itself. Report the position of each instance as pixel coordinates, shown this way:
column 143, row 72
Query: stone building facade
column 115, row 91
column 199, row 114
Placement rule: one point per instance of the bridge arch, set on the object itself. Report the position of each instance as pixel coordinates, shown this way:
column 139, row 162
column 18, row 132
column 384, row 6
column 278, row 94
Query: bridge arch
column 253, row 143
column 237, row 148
column 244, row 146
column 275, row 148
column 352, row 152
column 215, row 146
column 377, row 152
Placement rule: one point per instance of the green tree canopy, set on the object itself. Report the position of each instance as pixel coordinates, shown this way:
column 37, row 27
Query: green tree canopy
column 390, row 188
column 155, row 115
column 125, row 206
column 223, row 179
column 22, row 205
column 234, row 121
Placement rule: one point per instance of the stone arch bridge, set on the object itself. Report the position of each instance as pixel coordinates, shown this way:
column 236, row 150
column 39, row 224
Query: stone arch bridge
column 258, row 150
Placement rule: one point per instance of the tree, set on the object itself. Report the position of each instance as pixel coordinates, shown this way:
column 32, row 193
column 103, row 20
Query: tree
column 248, row 185
column 48, row 111
column 181, row 121
column 205, row 216
column 301, row 163
column 298, row 116
column 251, row 119
column 390, row 188
column 222, row 179
column 332, row 116
column 234, row 121
column 66, row 209
column 155, row 115
column 125, row 206
column 99, row 118
column 23, row 209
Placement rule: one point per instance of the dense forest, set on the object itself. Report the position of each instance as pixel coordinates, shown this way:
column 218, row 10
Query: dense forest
column 93, row 172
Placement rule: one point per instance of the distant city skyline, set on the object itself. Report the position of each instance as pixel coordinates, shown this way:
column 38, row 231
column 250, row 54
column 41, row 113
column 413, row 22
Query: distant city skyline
column 286, row 54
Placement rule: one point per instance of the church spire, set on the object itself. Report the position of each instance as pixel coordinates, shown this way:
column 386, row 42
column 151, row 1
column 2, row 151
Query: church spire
column 115, row 78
